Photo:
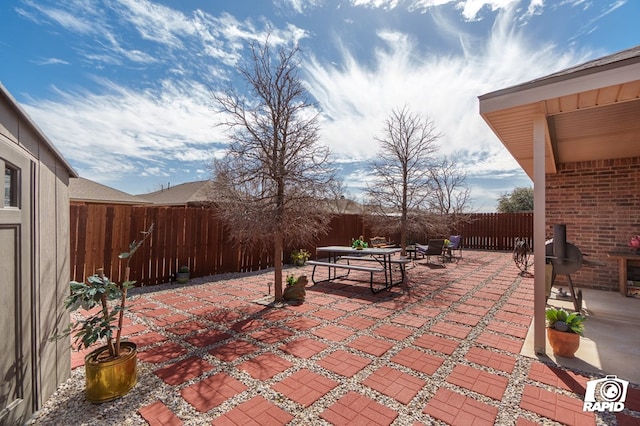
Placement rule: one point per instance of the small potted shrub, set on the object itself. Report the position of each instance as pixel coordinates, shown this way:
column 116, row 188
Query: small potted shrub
column 291, row 280
column 564, row 330
column 300, row 257
column 110, row 370
column 359, row 244
column 183, row 275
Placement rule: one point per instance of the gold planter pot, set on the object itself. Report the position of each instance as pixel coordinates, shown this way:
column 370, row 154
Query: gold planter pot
column 563, row 343
column 109, row 380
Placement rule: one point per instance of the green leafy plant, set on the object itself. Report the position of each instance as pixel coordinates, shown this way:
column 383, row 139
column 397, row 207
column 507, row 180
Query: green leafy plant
column 99, row 291
column 562, row 320
column 300, row 255
column 184, row 269
column 291, row 280
column 360, row 243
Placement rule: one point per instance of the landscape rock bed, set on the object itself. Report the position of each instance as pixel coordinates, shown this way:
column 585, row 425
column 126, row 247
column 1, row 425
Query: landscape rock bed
column 451, row 317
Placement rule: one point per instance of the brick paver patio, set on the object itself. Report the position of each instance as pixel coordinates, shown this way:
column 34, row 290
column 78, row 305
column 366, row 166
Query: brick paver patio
column 356, row 409
column 346, row 356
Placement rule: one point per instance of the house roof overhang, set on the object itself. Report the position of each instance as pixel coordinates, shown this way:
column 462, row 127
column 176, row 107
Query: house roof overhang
column 589, row 112
column 592, row 112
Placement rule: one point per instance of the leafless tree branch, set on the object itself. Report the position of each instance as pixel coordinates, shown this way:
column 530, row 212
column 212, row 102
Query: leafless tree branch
column 402, row 171
column 274, row 173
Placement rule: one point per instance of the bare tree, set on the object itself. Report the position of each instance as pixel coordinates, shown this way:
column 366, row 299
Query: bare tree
column 451, row 197
column 341, row 201
column 451, row 194
column 274, row 172
column 401, row 176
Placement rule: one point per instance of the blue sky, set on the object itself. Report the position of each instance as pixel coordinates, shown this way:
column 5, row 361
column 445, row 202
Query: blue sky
column 122, row 87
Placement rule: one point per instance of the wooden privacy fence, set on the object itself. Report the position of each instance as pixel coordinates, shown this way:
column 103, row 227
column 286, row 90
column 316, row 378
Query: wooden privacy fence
column 189, row 236
column 195, row 237
column 186, row 236
column 495, row 231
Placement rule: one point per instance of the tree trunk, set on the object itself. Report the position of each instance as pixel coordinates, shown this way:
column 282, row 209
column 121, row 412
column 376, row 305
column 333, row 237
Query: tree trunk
column 105, row 314
column 123, row 301
column 277, row 263
column 403, row 233
column 403, row 219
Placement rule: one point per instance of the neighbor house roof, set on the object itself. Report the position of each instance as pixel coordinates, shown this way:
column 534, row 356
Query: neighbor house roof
column 345, row 206
column 186, row 193
column 591, row 112
column 88, row 191
column 21, row 112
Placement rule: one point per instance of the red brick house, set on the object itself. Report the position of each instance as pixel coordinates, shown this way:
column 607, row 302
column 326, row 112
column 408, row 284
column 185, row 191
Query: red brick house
column 576, row 133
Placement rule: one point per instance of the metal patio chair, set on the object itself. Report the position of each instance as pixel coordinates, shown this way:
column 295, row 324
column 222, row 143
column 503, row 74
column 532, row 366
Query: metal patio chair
column 434, row 248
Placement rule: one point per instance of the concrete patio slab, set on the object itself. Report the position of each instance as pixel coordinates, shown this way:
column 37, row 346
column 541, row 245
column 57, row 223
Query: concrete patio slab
column 611, row 341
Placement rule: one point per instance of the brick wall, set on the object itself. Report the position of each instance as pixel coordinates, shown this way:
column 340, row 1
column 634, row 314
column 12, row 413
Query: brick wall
column 599, row 201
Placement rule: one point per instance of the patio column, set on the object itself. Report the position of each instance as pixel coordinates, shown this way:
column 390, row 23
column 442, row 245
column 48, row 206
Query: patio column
column 539, row 223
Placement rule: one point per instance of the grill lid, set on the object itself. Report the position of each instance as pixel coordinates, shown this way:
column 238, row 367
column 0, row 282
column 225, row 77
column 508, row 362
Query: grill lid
column 569, row 264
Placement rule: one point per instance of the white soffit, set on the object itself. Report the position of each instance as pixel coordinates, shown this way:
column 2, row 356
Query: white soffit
column 588, row 117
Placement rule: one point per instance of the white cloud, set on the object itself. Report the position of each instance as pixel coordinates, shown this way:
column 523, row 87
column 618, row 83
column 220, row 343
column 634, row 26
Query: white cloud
column 356, row 99
column 471, row 8
column 590, row 26
column 155, row 22
column 80, row 22
column 51, row 61
column 121, row 131
column 116, row 130
column 197, row 46
column 384, row 4
column 154, row 126
column 426, row 4
column 298, row 6
column 172, row 37
column 535, row 8
column 134, row 55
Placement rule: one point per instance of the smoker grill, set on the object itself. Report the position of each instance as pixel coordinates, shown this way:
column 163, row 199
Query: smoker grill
column 566, row 259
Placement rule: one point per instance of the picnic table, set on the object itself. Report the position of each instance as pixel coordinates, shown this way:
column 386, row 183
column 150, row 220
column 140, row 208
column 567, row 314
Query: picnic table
column 373, row 260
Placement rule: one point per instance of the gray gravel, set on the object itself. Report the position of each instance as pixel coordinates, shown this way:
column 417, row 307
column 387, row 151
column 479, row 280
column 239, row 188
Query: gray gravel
column 67, row 406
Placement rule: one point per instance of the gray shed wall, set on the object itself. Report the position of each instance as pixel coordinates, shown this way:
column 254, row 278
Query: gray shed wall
column 42, row 280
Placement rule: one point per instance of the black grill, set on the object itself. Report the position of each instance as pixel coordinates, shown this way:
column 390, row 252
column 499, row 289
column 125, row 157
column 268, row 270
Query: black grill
column 566, row 259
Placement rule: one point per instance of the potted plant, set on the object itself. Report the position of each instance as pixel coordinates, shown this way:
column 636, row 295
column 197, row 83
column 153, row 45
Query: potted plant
column 359, row 244
column 291, row 280
column 183, row 275
column 300, row 257
column 564, row 330
column 111, row 370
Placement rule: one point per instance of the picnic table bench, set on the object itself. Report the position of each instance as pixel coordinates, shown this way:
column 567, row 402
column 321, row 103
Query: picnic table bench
column 382, row 256
column 381, row 242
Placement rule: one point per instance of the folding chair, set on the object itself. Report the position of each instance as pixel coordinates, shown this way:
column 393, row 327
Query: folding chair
column 455, row 244
column 434, row 248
